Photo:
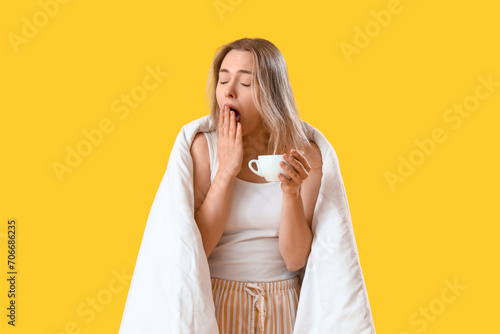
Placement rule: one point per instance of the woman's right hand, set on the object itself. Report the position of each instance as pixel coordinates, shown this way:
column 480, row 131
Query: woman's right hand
column 230, row 143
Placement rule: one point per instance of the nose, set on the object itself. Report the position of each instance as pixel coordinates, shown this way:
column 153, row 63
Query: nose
column 230, row 91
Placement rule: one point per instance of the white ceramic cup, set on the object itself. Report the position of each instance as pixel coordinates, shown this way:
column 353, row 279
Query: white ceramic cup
column 268, row 167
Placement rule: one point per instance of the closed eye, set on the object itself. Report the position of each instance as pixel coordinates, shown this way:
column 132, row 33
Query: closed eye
column 222, row 83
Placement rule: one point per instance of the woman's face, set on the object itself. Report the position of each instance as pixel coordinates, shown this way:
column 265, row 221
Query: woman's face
column 234, row 87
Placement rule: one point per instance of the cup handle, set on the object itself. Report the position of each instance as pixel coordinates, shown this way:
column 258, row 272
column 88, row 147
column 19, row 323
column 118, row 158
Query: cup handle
column 253, row 170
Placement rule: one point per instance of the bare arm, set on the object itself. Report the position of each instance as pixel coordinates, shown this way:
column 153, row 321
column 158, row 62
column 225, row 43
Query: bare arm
column 212, row 202
column 295, row 234
column 212, row 215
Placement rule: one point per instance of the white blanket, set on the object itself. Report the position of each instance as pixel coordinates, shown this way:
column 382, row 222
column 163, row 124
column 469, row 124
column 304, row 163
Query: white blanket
column 171, row 292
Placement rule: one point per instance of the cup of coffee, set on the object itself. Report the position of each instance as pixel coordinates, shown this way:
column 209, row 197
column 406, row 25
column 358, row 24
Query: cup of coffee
column 268, row 166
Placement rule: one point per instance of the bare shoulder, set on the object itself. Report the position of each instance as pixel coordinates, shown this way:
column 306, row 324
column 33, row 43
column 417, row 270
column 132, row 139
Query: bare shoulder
column 199, row 146
column 201, row 168
column 313, row 155
column 311, row 185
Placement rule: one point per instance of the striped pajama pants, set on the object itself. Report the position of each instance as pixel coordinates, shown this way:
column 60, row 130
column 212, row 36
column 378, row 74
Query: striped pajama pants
column 256, row 308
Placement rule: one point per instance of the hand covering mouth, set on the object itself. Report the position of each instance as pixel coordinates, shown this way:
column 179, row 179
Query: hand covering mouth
column 237, row 114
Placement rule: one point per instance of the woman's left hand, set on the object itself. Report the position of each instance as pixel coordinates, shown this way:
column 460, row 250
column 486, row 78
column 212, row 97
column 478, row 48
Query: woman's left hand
column 298, row 173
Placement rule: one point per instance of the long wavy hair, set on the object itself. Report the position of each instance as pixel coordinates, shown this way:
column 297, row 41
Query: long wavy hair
column 273, row 97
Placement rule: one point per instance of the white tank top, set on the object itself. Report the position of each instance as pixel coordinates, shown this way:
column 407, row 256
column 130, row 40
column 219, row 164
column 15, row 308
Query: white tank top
column 248, row 250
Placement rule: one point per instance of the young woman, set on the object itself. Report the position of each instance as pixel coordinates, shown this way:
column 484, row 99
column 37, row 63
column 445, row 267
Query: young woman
column 256, row 234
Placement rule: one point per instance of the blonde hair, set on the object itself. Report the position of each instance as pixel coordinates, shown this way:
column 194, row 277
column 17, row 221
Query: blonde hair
column 273, row 97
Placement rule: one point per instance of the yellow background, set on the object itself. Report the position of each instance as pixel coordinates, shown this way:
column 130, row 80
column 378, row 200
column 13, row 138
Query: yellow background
column 77, row 235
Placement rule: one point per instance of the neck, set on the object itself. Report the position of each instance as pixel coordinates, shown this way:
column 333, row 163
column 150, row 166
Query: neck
column 255, row 144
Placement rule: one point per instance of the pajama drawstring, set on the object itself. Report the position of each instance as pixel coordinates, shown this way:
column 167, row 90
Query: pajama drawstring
column 259, row 297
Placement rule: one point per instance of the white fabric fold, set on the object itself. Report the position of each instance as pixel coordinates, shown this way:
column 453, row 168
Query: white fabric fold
column 171, row 291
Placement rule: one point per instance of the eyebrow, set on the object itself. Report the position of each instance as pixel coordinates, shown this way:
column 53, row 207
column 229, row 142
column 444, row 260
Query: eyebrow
column 240, row 71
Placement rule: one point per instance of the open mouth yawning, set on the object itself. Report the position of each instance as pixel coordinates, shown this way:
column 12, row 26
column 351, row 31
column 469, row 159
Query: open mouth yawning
column 237, row 114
